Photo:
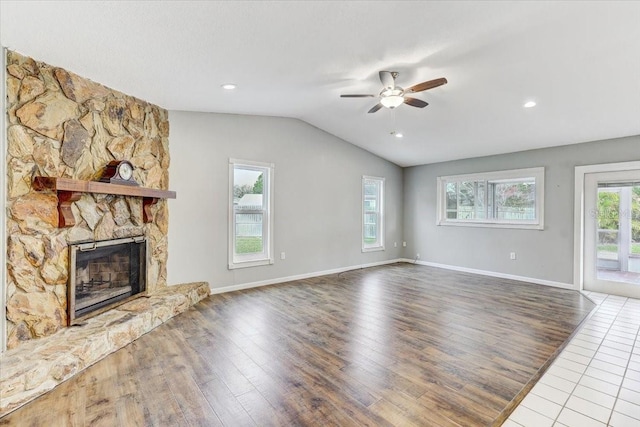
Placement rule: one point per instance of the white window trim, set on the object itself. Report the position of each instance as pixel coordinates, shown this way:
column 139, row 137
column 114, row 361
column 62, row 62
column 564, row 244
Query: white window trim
column 507, row 175
column 380, row 246
column 268, row 258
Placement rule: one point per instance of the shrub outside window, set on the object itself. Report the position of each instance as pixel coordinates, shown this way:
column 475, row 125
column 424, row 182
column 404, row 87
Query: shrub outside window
column 509, row 199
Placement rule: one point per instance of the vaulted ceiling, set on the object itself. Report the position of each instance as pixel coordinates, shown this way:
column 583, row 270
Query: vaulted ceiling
column 579, row 60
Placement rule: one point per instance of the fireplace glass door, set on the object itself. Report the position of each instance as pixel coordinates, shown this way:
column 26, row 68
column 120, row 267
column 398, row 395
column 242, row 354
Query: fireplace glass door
column 104, row 274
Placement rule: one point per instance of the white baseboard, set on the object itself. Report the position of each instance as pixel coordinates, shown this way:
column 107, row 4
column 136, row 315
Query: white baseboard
column 299, row 277
column 569, row 286
column 392, row 261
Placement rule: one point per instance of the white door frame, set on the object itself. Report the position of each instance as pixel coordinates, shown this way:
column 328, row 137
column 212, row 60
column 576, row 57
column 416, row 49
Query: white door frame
column 578, row 213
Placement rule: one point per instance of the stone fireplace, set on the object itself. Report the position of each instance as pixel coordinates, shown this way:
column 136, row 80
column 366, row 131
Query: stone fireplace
column 104, row 274
column 62, row 127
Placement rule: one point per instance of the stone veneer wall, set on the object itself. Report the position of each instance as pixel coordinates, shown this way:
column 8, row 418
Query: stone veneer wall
column 62, row 125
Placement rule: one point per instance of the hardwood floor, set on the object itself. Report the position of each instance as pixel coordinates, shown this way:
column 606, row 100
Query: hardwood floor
column 399, row 345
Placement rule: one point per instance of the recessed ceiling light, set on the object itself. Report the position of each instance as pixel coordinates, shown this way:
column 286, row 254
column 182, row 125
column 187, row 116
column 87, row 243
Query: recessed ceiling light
column 529, row 104
column 228, row 86
column 397, row 134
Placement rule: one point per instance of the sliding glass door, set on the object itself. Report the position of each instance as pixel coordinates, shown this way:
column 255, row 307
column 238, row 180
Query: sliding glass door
column 612, row 233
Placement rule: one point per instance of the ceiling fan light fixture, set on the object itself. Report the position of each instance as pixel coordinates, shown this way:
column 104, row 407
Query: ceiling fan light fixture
column 392, row 101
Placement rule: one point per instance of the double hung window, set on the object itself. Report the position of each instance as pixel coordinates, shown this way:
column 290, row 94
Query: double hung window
column 250, row 214
column 372, row 214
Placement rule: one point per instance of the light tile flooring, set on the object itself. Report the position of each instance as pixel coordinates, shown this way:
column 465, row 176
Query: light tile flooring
column 596, row 379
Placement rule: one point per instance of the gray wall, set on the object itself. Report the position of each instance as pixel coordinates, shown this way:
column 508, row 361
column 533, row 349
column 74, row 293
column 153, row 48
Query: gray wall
column 317, row 197
column 544, row 255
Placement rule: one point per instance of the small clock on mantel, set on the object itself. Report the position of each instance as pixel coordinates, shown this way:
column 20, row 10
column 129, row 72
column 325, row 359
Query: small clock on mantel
column 118, row 172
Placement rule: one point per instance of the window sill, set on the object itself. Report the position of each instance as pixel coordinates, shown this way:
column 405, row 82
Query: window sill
column 376, row 249
column 492, row 225
column 246, row 264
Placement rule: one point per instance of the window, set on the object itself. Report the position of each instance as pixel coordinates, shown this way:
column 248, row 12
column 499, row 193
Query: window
column 250, row 214
column 372, row 214
column 511, row 199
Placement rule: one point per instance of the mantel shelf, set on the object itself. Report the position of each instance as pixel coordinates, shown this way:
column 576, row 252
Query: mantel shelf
column 69, row 191
column 42, row 183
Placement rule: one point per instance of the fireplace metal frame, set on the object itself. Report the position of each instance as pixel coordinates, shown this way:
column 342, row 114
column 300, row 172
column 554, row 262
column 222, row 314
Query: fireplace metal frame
column 71, row 286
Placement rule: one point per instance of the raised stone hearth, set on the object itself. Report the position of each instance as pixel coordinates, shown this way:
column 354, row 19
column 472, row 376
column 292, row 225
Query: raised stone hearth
column 39, row 365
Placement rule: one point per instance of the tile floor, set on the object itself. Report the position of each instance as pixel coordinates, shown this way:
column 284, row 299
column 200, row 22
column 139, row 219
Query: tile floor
column 596, row 379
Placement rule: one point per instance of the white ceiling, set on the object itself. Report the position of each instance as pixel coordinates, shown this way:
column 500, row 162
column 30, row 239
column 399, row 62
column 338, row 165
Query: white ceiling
column 580, row 60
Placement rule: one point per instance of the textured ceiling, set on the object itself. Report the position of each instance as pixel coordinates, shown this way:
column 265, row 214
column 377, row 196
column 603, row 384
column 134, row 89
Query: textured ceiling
column 579, row 60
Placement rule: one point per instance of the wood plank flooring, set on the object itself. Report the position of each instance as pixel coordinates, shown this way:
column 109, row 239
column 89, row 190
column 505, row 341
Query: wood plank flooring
column 402, row 345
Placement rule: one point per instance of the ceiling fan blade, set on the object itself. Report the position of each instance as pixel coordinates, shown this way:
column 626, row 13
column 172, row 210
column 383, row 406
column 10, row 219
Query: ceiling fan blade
column 357, row 96
column 375, row 108
column 427, row 85
column 387, row 79
column 414, row 102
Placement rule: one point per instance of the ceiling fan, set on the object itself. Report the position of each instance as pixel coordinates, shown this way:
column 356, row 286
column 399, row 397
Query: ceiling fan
column 392, row 96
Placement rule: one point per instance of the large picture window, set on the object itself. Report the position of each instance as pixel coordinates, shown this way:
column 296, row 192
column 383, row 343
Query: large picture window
column 250, row 214
column 372, row 214
column 513, row 199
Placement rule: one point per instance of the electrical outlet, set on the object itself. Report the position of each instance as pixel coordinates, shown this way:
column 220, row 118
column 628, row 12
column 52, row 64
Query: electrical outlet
column 512, row 256
column 404, row 244
column 283, row 255
column 395, row 244
column 417, row 256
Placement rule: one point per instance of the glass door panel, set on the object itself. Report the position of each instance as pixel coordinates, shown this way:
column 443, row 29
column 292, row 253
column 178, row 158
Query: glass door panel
column 612, row 233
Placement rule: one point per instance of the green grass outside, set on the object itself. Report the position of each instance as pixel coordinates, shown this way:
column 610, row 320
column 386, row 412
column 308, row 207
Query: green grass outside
column 635, row 248
column 248, row 245
column 369, row 240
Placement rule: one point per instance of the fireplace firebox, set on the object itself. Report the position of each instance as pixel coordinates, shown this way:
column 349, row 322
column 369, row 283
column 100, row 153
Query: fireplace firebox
column 104, row 274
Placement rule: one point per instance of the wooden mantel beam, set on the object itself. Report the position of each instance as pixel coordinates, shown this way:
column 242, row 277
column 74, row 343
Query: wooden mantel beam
column 69, row 191
column 42, row 183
